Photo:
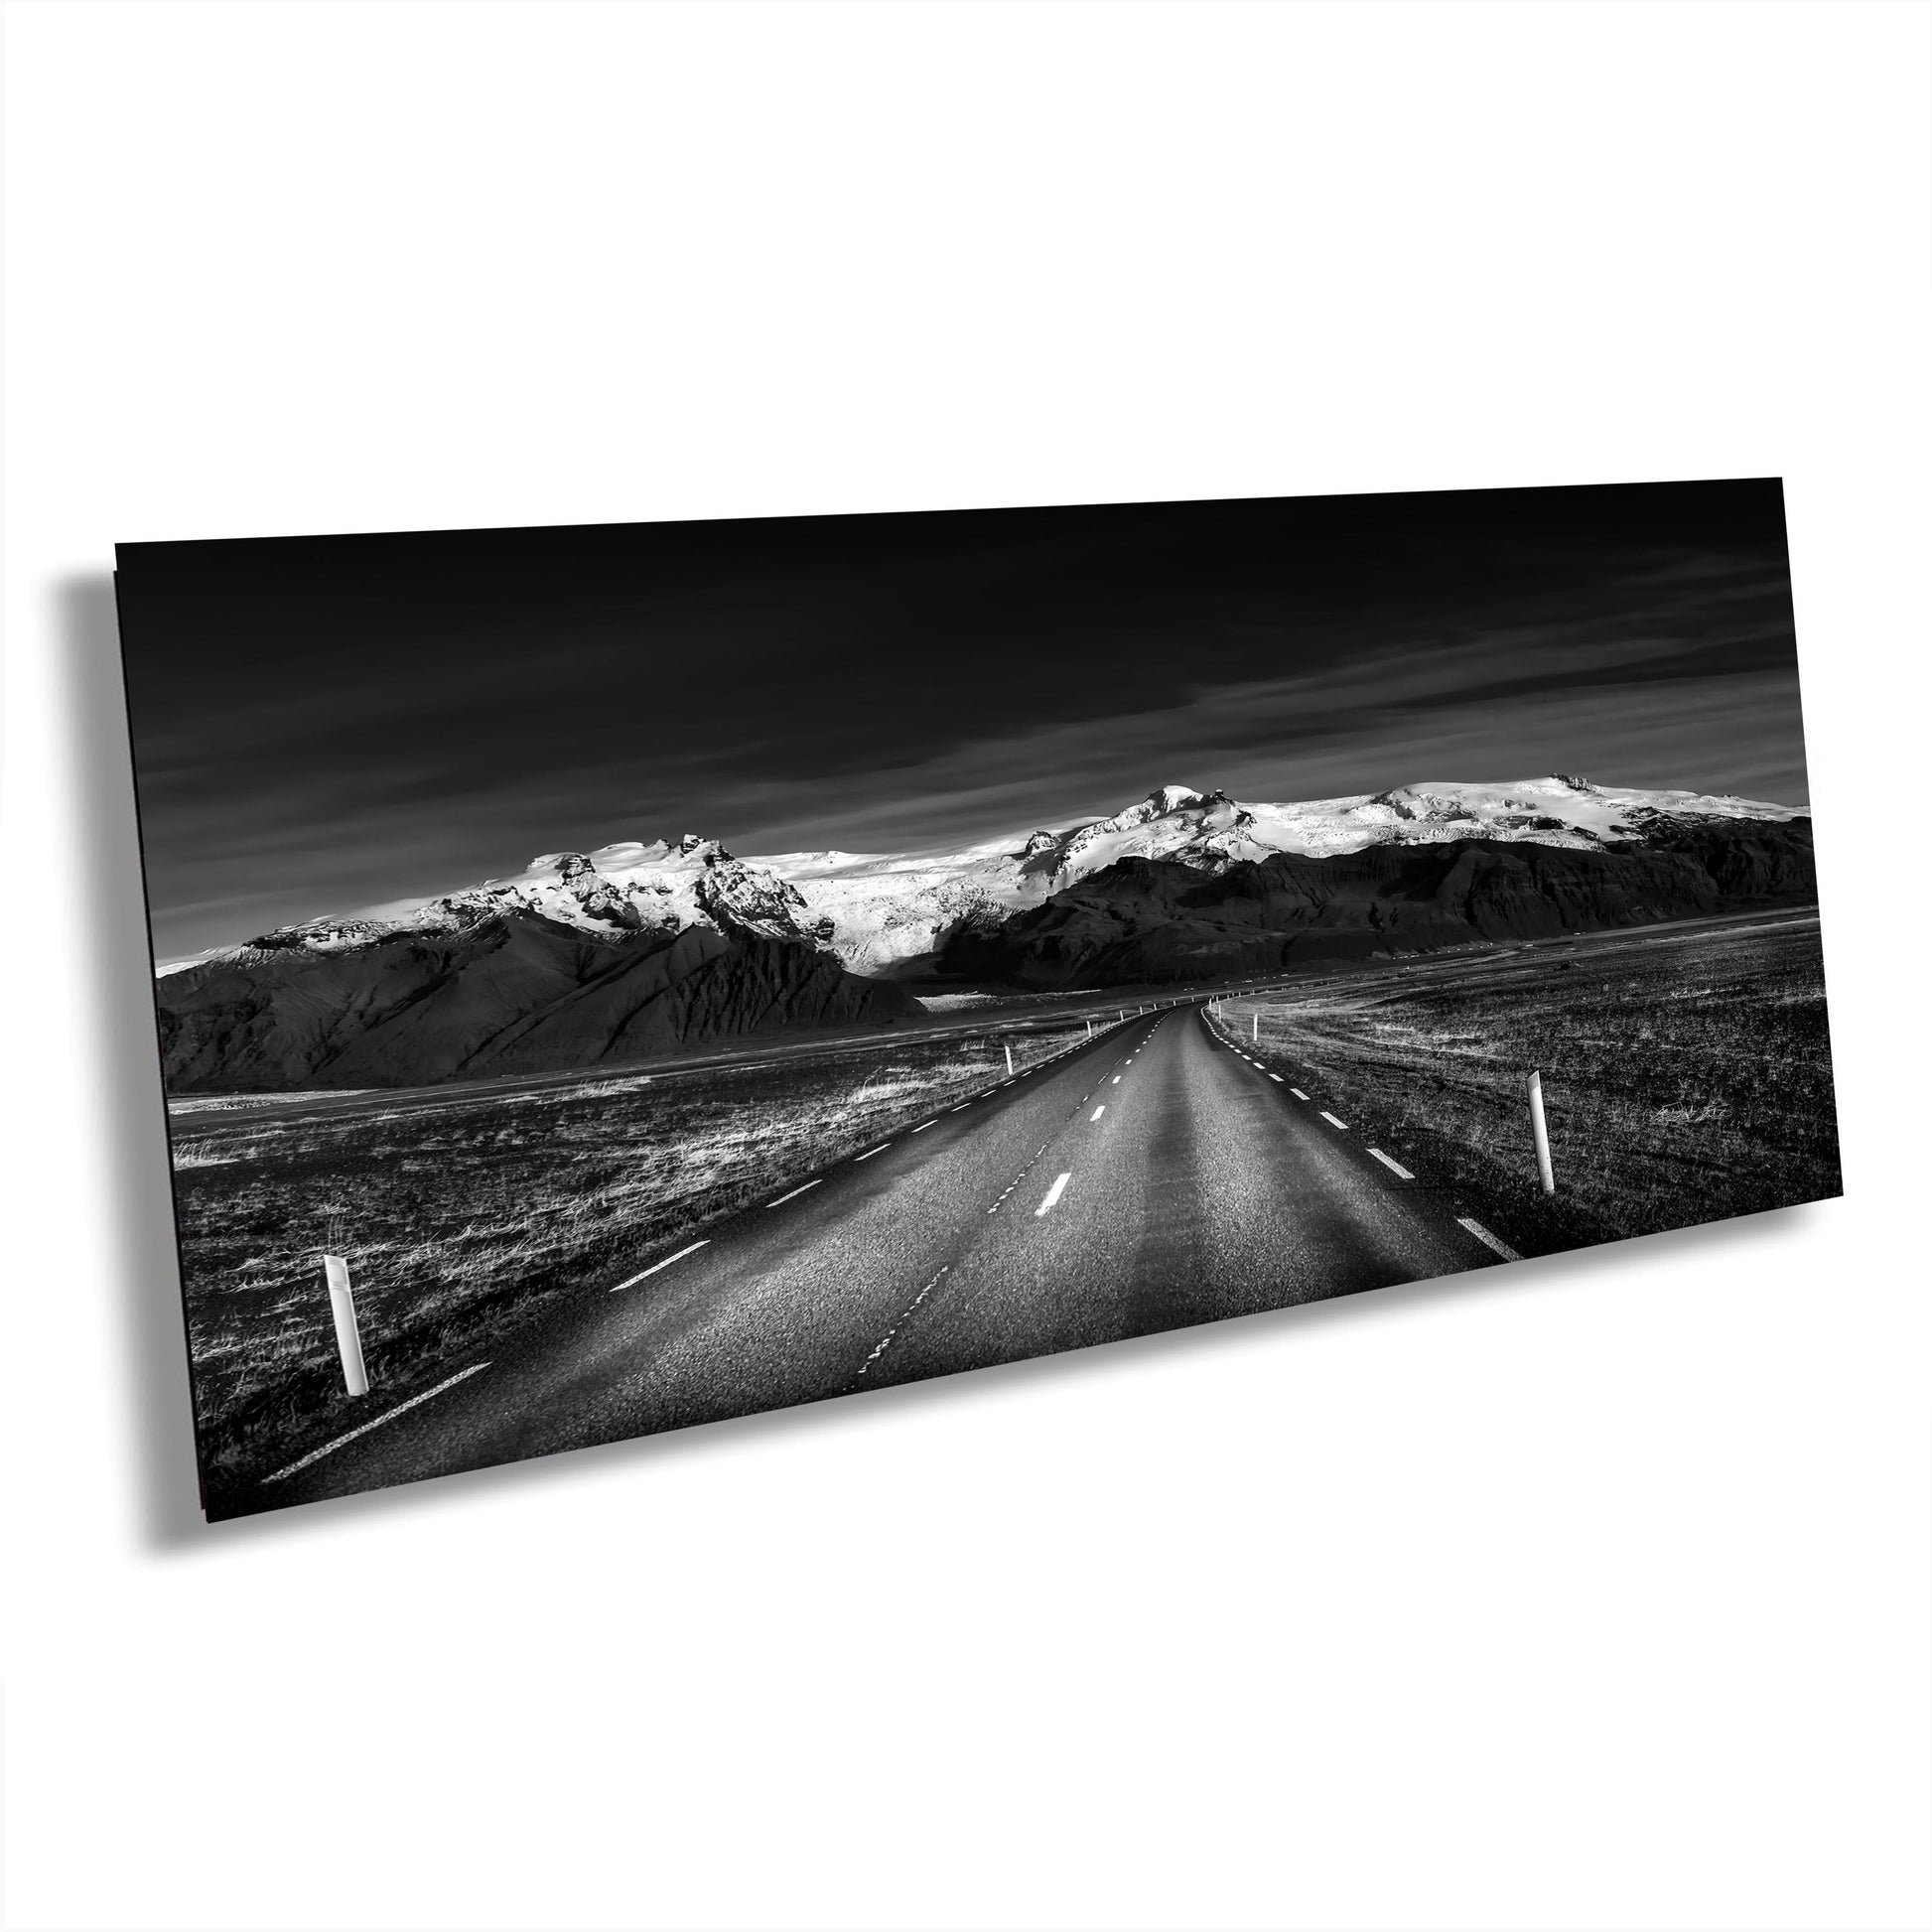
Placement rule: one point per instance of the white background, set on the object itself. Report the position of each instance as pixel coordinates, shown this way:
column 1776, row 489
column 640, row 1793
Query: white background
column 1592, row 1595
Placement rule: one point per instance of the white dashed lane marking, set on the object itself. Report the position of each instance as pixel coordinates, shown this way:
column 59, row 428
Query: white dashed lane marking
column 1332, row 1121
column 1298, row 1093
column 329, row 1448
column 1097, row 1112
column 1394, row 1166
column 1053, row 1195
column 870, row 1150
column 795, row 1192
column 666, row 1262
column 923, row 1125
column 886, row 1339
column 1488, row 1239
column 1276, row 1077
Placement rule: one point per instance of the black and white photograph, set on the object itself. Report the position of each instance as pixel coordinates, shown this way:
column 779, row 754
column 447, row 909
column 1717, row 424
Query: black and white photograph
column 963, row 966
column 617, row 978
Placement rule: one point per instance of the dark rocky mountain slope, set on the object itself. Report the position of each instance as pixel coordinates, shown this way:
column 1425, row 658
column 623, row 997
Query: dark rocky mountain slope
column 1151, row 919
column 512, row 992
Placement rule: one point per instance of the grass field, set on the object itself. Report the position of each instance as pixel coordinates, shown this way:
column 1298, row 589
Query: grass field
column 462, row 1221
column 1685, row 1078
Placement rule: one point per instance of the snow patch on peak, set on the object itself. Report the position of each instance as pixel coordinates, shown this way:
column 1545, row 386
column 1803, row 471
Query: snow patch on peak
column 1167, row 798
column 624, row 888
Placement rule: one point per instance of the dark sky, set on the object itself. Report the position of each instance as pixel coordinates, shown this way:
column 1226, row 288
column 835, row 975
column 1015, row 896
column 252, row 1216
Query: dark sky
column 327, row 723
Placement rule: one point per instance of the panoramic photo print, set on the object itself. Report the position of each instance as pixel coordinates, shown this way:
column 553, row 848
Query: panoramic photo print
column 620, row 977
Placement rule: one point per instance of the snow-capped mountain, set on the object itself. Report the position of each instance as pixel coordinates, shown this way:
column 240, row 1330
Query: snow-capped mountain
column 594, row 958
column 877, row 909
column 627, row 888
column 886, row 908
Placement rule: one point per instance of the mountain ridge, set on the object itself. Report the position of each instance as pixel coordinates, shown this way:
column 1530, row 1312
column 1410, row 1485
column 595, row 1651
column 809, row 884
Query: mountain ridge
column 880, row 910
column 587, row 959
column 510, row 992
column 1152, row 922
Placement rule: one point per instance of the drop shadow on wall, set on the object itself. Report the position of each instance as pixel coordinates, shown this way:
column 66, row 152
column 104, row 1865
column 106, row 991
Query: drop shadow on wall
column 131, row 1116
column 165, row 1493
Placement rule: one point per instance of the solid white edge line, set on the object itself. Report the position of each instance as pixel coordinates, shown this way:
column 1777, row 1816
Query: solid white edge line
column 666, row 1262
column 1488, row 1239
column 1394, row 1166
column 315, row 1455
column 795, row 1192
column 870, row 1150
column 1053, row 1195
column 1332, row 1121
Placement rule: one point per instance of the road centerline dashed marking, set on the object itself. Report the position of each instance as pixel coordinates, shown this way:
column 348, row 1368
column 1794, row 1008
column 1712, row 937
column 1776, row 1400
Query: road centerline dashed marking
column 1394, row 1166
column 329, row 1448
column 666, row 1262
column 795, row 1192
column 870, row 1150
column 923, row 1125
column 1052, row 1194
column 1097, row 1112
column 1332, row 1121
column 1298, row 1093
column 906, row 1314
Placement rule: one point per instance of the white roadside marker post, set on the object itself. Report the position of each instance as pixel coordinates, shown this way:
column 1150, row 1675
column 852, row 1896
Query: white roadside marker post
column 349, row 1338
column 1540, row 1129
column 1007, row 1051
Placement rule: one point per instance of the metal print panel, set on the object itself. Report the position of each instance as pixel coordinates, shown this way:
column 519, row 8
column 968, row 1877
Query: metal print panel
column 617, row 978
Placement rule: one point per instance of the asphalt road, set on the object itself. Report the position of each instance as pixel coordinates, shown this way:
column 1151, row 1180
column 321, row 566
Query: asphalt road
column 1153, row 1178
